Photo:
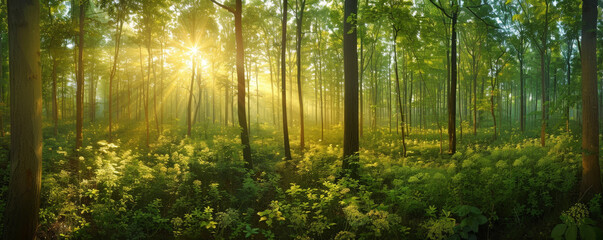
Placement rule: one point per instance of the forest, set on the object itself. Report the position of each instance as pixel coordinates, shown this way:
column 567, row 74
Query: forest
column 301, row 119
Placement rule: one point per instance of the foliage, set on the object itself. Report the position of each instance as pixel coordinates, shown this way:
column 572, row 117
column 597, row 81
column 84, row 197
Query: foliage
column 576, row 223
column 199, row 189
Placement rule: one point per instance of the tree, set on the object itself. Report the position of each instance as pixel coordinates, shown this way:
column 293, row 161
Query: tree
column 452, row 14
column 591, row 172
column 21, row 213
column 399, row 100
column 79, row 119
column 350, row 67
column 240, row 65
column 284, row 82
column 299, row 17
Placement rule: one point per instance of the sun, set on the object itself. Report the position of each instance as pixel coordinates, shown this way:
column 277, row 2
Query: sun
column 193, row 51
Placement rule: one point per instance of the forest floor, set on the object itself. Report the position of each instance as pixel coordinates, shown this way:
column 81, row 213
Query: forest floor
column 198, row 188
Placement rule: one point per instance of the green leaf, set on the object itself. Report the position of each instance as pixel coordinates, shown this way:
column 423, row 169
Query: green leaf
column 508, row 1
column 587, row 232
column 558, row 231
column 465, row 210
column 481, row 219
column 571, row 233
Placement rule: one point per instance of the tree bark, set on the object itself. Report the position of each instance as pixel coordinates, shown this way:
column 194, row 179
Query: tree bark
column 591, row 172
column 543, row 76
column 522, row 111
column 569, row 77
column 399, row 98
column 240, row 62
column 21, row 212
column 79, row 120
column 55, row 110
column 284, row 82
column 300, row 19
column 452, row 95
column 350, row 64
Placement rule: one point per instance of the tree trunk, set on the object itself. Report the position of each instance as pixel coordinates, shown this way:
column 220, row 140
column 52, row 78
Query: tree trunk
column 55, row 110
column 569, row 77
column 543, row 77
column 543, row 105
column 240, row 62
column 284, row 82
column 399, row 100
column 452, row 95
column 271, row 83
column 79, row 121
column 320, row 83
column 148, row 83
column 522, row 111
column 350, row 64
column 23, row 202
column 591, row 172
column 299, row 85
column 475, row 71
column 492, row 106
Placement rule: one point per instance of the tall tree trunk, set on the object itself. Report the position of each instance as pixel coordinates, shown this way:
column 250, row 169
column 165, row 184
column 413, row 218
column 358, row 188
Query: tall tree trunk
column 591, row 172
column 91, row 97
column 23, row 202
column 79, row 119
column 284, row 82
column 452, row 95
column 271, row 84
column 300, row 19
column 492, row 106
column 543, row 99
column 460, row 101
column 350, row 64
column 161, row 90
column 320, row 83
column 389, row 93
column 240, row 62
column 399, row 98
column 569, row 77
column 522, row 111
column 226, row 96
column 543, row 76
column 410, row 104
column 55, row 107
